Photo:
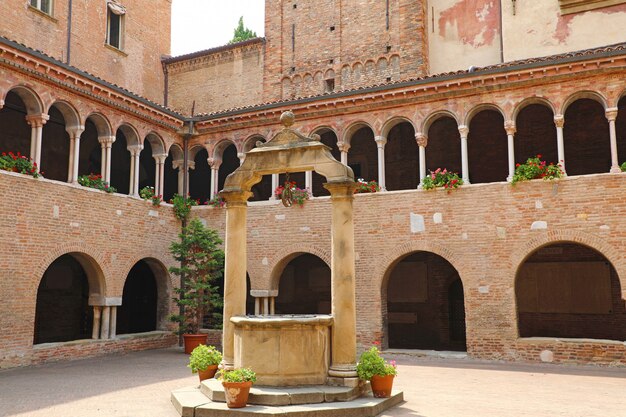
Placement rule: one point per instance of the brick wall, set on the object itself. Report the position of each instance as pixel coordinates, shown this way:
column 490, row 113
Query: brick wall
column 146, row 38
column 43, row 220
column 485, row 234
column 229, row 77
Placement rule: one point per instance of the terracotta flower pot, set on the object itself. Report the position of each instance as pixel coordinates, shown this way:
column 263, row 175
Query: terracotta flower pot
column 237, row 393
column 381, row 385
column 208, row 373
column 193, row 340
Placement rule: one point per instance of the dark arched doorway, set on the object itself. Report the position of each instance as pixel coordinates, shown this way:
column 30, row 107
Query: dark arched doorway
column 62, row 312
column 138, row 312
column 425, row 304
column 304, row 286
column 569, row 290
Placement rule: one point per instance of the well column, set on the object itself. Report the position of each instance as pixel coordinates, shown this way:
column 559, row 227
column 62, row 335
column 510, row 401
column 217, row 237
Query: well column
column 234, row 269
column 343, row 347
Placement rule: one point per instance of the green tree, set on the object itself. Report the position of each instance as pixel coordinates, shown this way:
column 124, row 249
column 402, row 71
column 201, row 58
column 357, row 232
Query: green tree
column 242, row 33
column 202, row 263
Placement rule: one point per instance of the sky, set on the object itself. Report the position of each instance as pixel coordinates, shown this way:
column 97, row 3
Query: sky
column 204, row 24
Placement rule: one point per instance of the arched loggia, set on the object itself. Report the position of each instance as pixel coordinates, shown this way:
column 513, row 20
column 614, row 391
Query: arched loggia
column 487, row 148
column 444, row 145
column 55, row 146
column 535, row 134
column 15, row 130
column 401, row 158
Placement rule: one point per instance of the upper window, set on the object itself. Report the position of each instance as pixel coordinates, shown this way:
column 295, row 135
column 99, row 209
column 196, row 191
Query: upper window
column 115, row 25
column 43, row 5
column 577, row 6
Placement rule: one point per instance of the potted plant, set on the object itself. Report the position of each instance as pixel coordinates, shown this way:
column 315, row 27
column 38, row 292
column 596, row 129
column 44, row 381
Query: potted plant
column 237, row 383
column 201, row 264
column 18, row 163
column 442, row 178
column 290, row 193
column 372, row 367
column 204, row 360
column 363, row 186
column 535, row 168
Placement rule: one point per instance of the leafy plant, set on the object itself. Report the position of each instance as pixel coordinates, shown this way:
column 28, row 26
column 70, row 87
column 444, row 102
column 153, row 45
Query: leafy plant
column 535, row 168
column 237, row 375
column 18, row 163
column 148, row 193
column 371, row 363
column 216, row 201
column 202, row 263
column 95, row 181
column 182, row 206
column 242, row 33
column 202, row 357
column 363, row 186
column 623, row 167
column 442, row 178
column 292, row 193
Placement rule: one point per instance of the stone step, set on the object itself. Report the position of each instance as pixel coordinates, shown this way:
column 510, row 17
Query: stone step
column 190, row 402
column 278, row 396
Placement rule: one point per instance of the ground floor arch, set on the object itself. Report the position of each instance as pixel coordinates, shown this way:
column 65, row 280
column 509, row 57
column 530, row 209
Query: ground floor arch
column 569, row 290
column 425, row 304
column 304, row 286
column 62, row 310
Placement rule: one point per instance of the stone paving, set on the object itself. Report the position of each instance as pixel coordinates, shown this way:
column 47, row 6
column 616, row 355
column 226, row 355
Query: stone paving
column 139, row 385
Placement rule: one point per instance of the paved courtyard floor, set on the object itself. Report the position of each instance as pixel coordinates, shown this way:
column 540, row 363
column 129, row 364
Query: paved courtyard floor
column 139, row 384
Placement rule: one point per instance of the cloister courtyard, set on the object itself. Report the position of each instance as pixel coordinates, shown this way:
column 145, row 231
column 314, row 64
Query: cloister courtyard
column 139, row 384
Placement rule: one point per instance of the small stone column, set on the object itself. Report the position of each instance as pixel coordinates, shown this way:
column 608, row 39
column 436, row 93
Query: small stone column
column 344, row 148
column 510, row 128
column 264, row 302
column 381, row 141
column 104, row 327
column 275, row 181
column 106, row 142
column 611, row 115
column 135, row 152
column 159, row 173
column 464, row 131
column 559, row 122
column 343, row 348
column 215, row 164
column 95, row 332
column 72, row 169
column 308, row 181
column 422, row 142
column 36, row 122
column 113, row 323
column 234, row 270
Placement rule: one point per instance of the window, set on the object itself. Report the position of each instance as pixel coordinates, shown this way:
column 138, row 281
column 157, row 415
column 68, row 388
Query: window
column 43, row 5
column 329, row 85
column 115, row 25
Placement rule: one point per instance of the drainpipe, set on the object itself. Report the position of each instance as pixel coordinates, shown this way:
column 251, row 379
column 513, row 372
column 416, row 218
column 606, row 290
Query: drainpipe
column 501, row 34
column 166, row 84
column 69, row 31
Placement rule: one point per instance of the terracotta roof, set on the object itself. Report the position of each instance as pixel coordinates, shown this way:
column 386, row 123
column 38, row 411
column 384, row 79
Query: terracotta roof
column 211, row 51
column 615, row 49
column 39, row 54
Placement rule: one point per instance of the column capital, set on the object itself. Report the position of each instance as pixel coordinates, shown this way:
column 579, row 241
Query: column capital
column 235, row 198
column 509, row 127
column 381, row 141
column 421, row 139
column 191, row 164
column 37, row 120
column 178, row 164
column 559, row 120
column 106, row 140
column 134, row 149
column 611, row 114
column 341, row 189
column 214, row 163
column 160, row 158
column 343, row 146
column 464, row 131
column 75, row 131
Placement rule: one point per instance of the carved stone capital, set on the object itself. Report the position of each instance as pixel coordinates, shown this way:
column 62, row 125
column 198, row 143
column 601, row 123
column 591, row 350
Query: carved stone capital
column 611, row 114
column 75, row 132
column 510, row 127
column 559, row 120
column 160, row 158
column 464, row 131
column 214, row 163
column 421, row 139
column 106, row 141
column 37, row 120
column 343, row 146
column 134, row 149
column 381, row 141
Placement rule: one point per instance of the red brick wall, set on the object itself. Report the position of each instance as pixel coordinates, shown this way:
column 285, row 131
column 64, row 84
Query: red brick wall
column 137, row 68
